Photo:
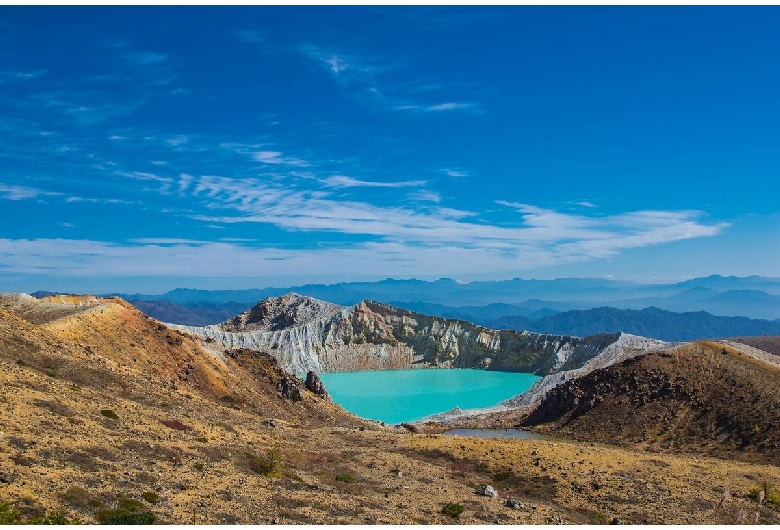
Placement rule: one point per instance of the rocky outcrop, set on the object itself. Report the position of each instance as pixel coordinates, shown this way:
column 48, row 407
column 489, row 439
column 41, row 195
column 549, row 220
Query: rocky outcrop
column 290, row 388
column 315, row 385
column 323, row 337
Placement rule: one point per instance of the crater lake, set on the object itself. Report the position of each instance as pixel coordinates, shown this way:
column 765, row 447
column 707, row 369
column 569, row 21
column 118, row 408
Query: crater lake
column 397, row 396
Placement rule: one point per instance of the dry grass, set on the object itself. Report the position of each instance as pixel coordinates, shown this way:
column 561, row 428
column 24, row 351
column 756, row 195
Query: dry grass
column 99, row 466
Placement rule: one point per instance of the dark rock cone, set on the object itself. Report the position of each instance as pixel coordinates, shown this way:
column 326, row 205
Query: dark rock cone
column 315, row 384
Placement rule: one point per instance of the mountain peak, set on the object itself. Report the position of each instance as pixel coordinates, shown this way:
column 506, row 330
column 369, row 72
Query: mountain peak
column 280, row 312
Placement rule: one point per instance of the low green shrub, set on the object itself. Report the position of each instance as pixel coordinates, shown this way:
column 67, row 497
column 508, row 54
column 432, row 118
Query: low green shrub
column 10, row 515
column 452, row 509
column 124, row 517
column 109, row 414
column 771, row 496
column 345, row 477
column 151, row 497
column 270, row 465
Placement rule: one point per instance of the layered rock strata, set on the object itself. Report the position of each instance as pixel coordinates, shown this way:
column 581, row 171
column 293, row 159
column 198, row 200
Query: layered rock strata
column 310, row 335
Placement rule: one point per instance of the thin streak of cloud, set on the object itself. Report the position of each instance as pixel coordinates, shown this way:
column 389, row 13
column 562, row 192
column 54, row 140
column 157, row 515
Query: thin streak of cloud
column 276, row 158
column 21, row 193
column 454, row 173
column 342, row 181
column 20, row 76
column 449, row 106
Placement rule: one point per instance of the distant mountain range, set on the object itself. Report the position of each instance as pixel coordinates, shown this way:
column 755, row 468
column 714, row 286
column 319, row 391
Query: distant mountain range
column 752, row 296
column 650, row 322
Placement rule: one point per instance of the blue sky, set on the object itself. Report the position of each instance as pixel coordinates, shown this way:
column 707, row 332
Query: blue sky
column 147, row 148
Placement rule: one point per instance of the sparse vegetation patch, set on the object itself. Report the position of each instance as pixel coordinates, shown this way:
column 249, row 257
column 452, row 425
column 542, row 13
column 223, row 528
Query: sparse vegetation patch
column 269, row 465
column 452, row 509
column 109, row 414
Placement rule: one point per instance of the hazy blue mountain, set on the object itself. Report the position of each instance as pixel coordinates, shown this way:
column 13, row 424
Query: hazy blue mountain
column 730, row 283
column 728, row 296
column 650, row 322
column 481, row 314
column 196, row 314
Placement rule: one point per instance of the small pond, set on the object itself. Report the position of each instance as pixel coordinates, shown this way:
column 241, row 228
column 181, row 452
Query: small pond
column 498, row 433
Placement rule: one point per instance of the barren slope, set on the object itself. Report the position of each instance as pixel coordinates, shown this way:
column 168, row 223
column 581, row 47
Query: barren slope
column 702, row 397
column 83, row 399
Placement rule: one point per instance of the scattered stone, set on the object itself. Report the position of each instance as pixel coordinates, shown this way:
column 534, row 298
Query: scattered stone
column 7, row 478
column 615, row 520
column 409, row 427
column 515, row 504
column 315, row 385
column 270, row 422
column 487, row 491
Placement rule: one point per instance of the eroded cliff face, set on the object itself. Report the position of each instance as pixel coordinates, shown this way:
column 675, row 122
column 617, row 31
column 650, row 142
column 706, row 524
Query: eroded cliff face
column 375, row 336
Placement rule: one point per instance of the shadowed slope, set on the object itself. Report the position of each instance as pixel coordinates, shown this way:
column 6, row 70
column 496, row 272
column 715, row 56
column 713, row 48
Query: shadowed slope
column 702, row 397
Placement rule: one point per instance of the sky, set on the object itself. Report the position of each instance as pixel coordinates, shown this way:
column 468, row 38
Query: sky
column 147, row 148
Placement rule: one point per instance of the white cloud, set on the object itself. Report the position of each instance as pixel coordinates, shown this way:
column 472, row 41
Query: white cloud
column 21, row 193
column 426, row 196
column 116, row 137
column 449, row 106
column 20, row 76
column 455, row 173
column 586, row 204
column 536, row 230
column 184, row 182
column 276, row 158
column 177, row 140
column 365, row 79
column 341, row 181
column 141, row 175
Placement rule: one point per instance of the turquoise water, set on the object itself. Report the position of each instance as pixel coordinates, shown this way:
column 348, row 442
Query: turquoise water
column 396, row 396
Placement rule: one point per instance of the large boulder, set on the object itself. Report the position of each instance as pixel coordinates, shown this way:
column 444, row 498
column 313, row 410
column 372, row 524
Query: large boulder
column 315, row 385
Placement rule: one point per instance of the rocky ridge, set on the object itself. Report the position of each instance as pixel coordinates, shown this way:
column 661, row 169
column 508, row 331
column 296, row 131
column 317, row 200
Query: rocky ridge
column 706, row 396
column 323, row 337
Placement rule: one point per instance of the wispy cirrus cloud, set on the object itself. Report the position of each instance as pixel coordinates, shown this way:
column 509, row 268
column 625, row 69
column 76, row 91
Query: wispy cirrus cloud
column 342, row 181
column 9, row 76
column 21, row 193
column 453, row 105
column 536, row 229
column 455, row 173
column 369, row 82
column 276, row 158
